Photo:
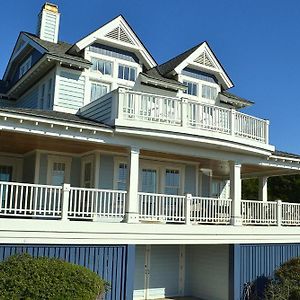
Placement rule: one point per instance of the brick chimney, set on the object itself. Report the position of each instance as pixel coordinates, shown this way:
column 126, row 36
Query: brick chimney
column 48, row 23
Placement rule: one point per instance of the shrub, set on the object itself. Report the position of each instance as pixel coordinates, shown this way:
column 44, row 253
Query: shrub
column 25, row 277
column 286, row 282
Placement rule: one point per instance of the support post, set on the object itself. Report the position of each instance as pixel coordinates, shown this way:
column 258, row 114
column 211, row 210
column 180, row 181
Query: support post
column 184, row 112
column 263, row 188
column 235, row 192
column 188, row 199
column 132, row 205
column 279, row 212
column 267, row 125
column 65, row 201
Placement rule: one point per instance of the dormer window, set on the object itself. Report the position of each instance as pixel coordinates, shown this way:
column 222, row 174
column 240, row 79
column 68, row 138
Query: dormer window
column 192, row 88
column 209, row 92
column 103, row 66
column 25, row 67
column 127, row 72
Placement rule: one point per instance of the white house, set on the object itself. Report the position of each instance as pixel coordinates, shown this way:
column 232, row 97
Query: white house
column 134, row 169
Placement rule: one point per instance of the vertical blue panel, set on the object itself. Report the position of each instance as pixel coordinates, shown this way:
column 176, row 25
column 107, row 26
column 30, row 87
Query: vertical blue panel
column 257, row 262
column 115, row 264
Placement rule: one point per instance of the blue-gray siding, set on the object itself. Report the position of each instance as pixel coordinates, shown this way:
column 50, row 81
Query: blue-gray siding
column 29, row 99
column 190, row 180
column 112, row 263
column 43, row 168
column 106, row 172
column 99, row 110
column 113, row 52
column 70, row 90
column 29, row 168
column 75, row 171
column 258, row 262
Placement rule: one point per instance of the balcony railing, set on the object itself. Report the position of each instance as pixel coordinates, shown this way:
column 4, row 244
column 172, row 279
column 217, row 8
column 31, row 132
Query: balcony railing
column 24, row 200
column 186, row 113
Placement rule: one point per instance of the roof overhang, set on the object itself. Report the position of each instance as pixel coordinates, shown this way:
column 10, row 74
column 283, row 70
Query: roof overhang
column 235, row 101
column 149, row 80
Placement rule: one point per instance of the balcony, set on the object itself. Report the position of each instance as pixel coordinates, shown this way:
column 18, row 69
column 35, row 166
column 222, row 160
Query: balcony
column 178, row 115
column 33, row 201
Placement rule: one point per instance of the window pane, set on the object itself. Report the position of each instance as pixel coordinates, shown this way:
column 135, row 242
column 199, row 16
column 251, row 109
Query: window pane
column 108, row 68
column 5, row 173
column 209, row 92
column 58, row 173
column 94, row 64
column 149, row 182
column 192, row 88
column 132, row 74
column 126, row 73
column 98, row 90
column 122, row 177
column 172, row 182
column 120, row 74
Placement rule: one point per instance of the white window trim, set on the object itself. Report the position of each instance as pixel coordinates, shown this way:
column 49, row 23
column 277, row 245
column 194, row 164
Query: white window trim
column 117, row 162
column 59, row 159
column 85, row 160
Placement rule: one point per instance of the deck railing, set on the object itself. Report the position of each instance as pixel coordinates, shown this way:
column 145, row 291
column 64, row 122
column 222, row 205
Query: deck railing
column 190, row 114
column 25, row 200
column 162, row 208
column 259, row 212
column 30, row 200
column 86, row 203
column 210, row 210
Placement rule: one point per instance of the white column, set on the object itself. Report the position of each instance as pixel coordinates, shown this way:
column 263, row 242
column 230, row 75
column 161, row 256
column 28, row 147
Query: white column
column 263, row 188
column 65, row 201
column 132, row 204
column 235, row 192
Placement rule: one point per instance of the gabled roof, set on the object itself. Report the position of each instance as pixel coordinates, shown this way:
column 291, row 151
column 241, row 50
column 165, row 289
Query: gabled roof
column 200, row 56
column 117, row 31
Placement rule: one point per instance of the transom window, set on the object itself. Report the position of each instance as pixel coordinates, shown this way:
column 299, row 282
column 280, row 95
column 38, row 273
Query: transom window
column 98, row 90
column 192, row 88
column 172, row 182
column 103, row 66
column 209, row 92
column 25, row 66
column 122, row 176
column 127, row 72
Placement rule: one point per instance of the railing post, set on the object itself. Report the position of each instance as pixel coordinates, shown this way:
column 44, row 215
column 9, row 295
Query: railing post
column 232, row 121
column 188, row 199
column 267, row 124
column 279, row 212
column 184, row 112
column 120, row 103
column 65, row 201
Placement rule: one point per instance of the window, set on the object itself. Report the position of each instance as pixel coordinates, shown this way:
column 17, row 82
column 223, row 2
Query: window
column 58, row 170
column 87, row 175
column 192, row 88
column 49, row 93
column 58, row 173
column 25, row 67
column 105, row 67
column 209, row 92
column 122, row 176
column 172, row 182
column 127, row 73
column 6, row 173
column 98, row 90
column 149, row 180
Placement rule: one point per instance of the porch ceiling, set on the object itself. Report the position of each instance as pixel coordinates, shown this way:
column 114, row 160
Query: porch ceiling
column 18, row 143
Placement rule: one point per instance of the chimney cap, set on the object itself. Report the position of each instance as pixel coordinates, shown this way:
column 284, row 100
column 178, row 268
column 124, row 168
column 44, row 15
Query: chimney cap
column 50, row 7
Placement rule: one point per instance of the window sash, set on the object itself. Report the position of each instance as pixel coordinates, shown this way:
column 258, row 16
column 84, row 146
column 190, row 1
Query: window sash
column 98, row 90
column 127, row 72
column 122, row 177
column 192, row 88
column 209, row 92
column 103, row 66
column 172, row 182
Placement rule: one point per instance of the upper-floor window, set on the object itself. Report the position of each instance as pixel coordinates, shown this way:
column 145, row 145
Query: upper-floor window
column 103, row 66
column 172, row 182
column 209, row 92
column 192, row 88
column 98, row 90
column 127, row 72
column 25, row 67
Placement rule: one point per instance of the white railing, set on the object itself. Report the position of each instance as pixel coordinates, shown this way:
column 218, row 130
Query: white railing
column 210, row 210
column 209, row 117
column 162, row 208
column 30, row 200
column 251, row 128
column 86, row 203
column 290, row 214
column 259, row 212
column 152, row 108
column 190, row 114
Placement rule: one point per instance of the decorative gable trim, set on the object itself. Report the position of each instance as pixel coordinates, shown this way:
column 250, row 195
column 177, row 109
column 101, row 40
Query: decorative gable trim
column 118, row 32
column 203, row 58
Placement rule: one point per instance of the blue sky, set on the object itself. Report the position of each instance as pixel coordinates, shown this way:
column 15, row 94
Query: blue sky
column 258, row 43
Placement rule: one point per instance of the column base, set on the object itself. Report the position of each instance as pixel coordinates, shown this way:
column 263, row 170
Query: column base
column 132, row 218
column 236, row 221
